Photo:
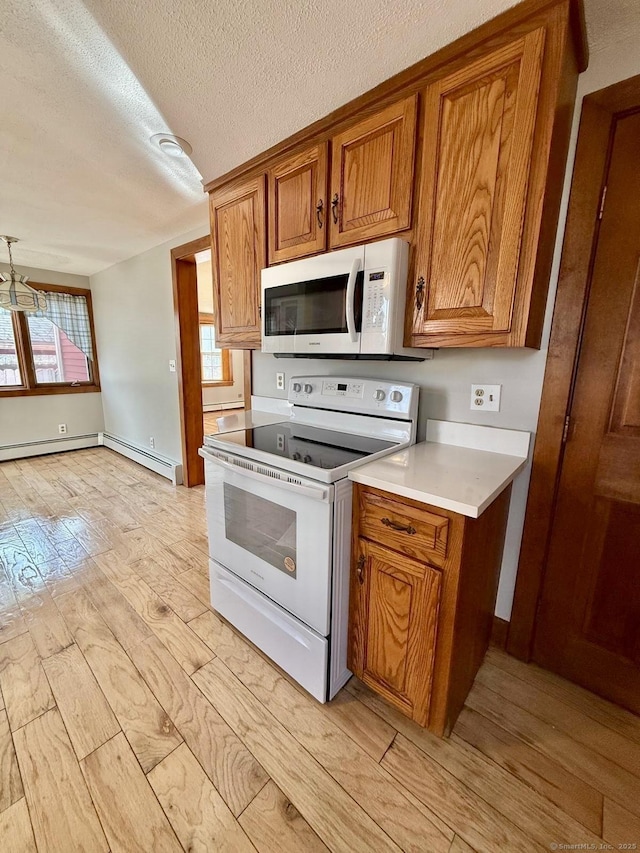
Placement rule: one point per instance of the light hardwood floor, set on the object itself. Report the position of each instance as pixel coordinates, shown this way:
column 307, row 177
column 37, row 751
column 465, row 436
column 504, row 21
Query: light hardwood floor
column 134, row 719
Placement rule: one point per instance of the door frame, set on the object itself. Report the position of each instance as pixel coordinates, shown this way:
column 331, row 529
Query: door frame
column 188, row 365
column 597, row 123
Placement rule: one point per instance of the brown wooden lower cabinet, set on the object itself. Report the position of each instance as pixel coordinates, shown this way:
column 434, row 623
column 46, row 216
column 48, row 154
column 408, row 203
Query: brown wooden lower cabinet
column 419, row 625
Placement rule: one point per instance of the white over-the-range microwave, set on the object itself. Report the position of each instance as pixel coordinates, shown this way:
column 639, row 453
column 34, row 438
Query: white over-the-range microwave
column 347, row 303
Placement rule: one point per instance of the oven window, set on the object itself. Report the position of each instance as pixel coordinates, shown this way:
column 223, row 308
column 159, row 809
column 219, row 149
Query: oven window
column 262, row 527
column 313, row 307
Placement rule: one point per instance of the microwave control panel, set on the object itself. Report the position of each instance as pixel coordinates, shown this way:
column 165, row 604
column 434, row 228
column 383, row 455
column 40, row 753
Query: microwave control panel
column 375, row 302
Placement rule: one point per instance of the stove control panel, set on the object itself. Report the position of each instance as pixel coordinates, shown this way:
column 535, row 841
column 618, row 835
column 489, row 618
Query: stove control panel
column 359, row 396
column 335, row 388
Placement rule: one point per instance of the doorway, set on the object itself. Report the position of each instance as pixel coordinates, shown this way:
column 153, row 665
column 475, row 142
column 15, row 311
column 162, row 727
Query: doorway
column 580, row 613
column 212, row 382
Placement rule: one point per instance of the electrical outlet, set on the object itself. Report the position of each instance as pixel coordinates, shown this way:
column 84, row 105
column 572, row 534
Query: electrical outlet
column 280, row 441
column 172, row 365
column 486, row 397
column 62, row 429
column 152, row 442
column 280, row 381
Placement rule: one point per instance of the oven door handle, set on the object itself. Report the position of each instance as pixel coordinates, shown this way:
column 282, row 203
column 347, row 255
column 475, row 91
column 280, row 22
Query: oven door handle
column 316, row 492
column 350, row 312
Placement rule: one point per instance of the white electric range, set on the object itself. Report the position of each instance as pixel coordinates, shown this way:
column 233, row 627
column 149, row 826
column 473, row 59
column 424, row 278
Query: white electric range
column 279, row 519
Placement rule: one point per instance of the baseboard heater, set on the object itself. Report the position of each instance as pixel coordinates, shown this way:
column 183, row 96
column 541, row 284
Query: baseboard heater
column 165, row 467
column 48, row 445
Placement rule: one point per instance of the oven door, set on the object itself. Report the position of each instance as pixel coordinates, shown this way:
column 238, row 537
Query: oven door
column 273, row 533
column 314, row 306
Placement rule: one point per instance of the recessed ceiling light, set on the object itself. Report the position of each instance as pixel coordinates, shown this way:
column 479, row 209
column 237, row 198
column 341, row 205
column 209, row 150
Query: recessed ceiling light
column 172, row 145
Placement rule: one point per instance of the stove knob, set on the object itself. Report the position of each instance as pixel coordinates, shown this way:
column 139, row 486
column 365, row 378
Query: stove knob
column 379, row 394
column 295, row 456
column 307, row 459
column 308, row 389
column 396, row 396
column 297, row 387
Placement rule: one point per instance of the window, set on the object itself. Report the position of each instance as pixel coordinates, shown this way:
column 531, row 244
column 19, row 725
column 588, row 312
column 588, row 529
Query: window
column 52, row 351
column 215, row 362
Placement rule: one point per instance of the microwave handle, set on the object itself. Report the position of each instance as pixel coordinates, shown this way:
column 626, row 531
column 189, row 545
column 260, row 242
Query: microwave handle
column 349, row 303
column 318, row 493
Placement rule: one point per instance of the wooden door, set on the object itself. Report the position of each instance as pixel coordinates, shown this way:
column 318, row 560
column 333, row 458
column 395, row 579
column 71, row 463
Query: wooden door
column 372, row 175
column 478, row 143
column 588, row 626
column 297, row 204
column 238, row 232
column 394, row 611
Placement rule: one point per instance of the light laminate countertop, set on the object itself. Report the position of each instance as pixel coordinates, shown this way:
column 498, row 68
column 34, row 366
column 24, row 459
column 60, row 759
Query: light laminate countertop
column 450, row 476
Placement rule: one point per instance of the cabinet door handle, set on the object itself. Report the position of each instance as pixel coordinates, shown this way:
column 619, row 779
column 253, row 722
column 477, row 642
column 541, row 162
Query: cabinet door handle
column 360, row 568
column 420, row 289
column 401, row 528
column 319, row 208
column 334, row 208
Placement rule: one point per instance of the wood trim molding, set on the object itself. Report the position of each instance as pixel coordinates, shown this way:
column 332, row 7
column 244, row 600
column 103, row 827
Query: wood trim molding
column 416, row 77
column 185, row 303
column 592, row 156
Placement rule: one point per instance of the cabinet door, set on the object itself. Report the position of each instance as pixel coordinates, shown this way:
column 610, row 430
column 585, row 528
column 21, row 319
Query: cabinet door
column 238, row 231
column 393, row 618
column 372, row 175
column 297, row 205
column 478, row 138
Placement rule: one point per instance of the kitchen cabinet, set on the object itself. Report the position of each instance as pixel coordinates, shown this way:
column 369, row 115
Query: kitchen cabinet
column 422, row 595
column 238, row 231
column 395, row 608
column 372, row 175
column 297, row 205
column 479, row 124
column 463, row 155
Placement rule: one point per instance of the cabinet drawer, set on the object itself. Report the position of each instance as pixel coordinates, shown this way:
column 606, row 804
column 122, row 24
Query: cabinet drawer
column 419, row 533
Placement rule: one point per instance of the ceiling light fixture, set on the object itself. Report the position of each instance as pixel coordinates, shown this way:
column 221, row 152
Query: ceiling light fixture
column 172, row 145
column 15, row 293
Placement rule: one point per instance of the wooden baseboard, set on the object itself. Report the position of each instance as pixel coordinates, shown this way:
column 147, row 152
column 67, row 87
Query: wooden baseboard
column 499, row 632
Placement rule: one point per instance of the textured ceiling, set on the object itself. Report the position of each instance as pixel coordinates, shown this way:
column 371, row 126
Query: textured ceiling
column 84, row 84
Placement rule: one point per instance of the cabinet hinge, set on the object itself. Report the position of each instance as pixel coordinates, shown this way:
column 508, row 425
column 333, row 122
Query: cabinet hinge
column 602, row 201
column 565, row 431
column 260, row 311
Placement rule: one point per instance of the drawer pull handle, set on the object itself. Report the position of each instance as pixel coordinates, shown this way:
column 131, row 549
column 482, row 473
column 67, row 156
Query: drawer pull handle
column 402, row 528
column 360, row 568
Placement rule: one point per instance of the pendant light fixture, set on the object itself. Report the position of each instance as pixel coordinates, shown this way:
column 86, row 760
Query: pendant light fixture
column 15, row 293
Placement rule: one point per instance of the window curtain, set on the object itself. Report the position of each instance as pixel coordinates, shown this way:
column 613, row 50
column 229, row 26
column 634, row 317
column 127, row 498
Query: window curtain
column 70, row 313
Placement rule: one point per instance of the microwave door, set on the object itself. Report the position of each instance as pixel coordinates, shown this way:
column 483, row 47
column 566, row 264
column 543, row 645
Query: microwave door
column 312, row 306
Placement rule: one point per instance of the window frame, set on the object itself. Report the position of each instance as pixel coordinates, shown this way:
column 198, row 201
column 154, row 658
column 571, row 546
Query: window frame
column 227, row 370
column 30, row 387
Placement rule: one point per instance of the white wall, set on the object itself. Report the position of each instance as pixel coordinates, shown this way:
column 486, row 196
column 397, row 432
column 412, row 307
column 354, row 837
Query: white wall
column 445, row 382
column 33, row 419
column 135, row 330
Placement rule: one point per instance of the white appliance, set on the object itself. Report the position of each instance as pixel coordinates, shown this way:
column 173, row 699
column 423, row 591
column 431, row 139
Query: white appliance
column 279, row 519
column 345, row 303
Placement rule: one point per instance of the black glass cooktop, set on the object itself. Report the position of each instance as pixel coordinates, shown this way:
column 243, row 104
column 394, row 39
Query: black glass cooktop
column 321, row 448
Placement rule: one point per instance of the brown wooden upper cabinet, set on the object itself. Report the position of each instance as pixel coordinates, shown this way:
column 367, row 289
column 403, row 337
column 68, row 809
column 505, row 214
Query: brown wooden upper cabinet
column 495, row 115
column 238, row 231
column 479, row 127
column 372, row 175
column 297, row 205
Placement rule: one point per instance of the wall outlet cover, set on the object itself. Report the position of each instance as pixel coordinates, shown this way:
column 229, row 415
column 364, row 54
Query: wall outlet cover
column 62, row 429
column 280, row 381
column 485, row 398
